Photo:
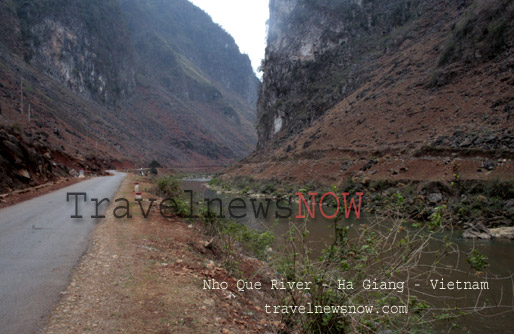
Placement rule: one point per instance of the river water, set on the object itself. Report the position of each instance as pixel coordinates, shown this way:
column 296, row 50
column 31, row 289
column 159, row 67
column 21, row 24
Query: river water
column 500, row 254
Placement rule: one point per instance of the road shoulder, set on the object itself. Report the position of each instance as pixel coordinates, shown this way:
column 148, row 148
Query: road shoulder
column 146, row 275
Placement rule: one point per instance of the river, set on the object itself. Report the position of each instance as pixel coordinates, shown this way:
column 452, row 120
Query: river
column 500, row 254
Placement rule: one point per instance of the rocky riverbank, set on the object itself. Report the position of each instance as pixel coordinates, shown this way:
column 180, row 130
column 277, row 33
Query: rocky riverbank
column 461, row 204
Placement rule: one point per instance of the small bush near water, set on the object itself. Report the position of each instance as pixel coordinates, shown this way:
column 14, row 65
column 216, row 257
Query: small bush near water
column 169, row 185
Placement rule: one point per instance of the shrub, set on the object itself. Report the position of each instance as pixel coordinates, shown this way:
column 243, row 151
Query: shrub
column 233, row 238
column 477, row 261
column 169, row 186
column 215, row 181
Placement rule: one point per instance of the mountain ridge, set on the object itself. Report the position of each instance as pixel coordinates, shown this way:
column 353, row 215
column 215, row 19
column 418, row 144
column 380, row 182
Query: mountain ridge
column 118, row 81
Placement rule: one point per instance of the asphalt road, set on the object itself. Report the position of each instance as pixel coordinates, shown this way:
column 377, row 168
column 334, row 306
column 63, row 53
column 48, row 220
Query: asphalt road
column 39, row 246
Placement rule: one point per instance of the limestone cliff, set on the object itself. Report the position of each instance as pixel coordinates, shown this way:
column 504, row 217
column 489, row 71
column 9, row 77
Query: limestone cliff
column 83, row 44
column 320, row 51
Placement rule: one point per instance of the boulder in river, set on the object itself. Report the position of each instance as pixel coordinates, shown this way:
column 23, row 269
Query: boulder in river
column 477, row 231
column 502, row 232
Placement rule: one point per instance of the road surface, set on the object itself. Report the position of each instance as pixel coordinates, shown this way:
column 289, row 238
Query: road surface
column 39, row 246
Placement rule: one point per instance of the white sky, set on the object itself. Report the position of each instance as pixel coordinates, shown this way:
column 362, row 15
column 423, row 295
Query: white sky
column 245, row 20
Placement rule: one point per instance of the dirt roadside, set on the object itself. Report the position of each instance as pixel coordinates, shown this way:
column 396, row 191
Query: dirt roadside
column 146, row 276
column 19, row 196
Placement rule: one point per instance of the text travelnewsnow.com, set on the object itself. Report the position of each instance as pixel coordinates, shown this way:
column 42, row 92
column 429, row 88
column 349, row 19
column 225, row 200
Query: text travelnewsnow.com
column 340, row 309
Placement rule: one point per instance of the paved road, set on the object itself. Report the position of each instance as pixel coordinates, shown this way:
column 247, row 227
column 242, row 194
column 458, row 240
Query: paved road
column 39, row 246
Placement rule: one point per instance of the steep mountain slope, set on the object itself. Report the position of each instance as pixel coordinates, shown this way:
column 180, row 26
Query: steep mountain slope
column 126, row 80
column 386, row 89
column 213, row 87
column 182, row 28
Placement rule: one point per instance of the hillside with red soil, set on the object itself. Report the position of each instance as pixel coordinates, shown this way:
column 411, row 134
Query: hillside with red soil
column 417, row 116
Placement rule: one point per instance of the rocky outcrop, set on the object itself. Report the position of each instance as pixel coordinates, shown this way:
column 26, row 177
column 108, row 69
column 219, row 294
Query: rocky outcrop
column 85, row 45
column 319, row 52
column 25, row 161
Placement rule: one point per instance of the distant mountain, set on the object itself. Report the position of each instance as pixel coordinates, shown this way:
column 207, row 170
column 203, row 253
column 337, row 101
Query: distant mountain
column 126, row 80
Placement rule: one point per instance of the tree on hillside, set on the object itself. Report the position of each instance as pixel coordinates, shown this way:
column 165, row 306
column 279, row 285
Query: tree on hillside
column 154, row 164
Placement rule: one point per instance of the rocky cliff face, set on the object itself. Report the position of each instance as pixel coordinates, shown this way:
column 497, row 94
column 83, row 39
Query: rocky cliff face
column 127, row 79
column 319, row 52
column 84, row 44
